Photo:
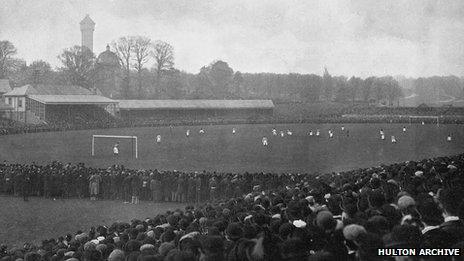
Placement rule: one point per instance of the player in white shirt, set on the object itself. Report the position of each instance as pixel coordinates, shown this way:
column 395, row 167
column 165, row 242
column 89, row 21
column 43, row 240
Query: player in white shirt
column 274, row 132
column 116, row 149
column 404, row 128
column 448, row 139
column 382, row 136
column 331, row 134
column 343, row 128
column 233, row 130
column 282, row 134
column 318, row 132
column 381, row 132
column 289, row 132
column 264, row 141
column 158, row 138
column 393, row 139
column 202, row 131
column 187, row 133
column 310, row 133
column 423, row 123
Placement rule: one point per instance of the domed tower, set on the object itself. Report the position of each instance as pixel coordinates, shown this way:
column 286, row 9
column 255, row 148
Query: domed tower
column 109, row 73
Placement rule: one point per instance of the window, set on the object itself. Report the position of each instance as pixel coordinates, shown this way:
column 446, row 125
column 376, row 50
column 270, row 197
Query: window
column 20, row 103
column 9, row 100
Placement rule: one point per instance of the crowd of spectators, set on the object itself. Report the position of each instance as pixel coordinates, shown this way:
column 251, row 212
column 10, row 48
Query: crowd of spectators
column 334, row 216
column 416, row 111
column 361, row 113
column 57, row 180
column 79, row 117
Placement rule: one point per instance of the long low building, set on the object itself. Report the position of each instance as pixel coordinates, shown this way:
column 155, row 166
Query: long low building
column 45, row 103
column 54, row 103
column 195, row 109
column 194, row 104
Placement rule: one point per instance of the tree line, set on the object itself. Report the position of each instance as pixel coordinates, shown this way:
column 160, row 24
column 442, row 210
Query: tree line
column 217, row 80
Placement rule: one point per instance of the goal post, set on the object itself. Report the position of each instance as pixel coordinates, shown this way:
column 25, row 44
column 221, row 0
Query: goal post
column 133, row 138
column 435, row 119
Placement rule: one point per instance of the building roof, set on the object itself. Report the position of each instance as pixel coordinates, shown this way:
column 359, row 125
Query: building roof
column 46, row 89
column 194, row 104
column 5, row 85
column 87, row 21
column 71, row 99
column 108, row 58
column 18, row 91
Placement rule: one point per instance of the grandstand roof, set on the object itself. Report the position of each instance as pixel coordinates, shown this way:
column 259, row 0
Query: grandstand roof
column 5, row 85
column 194, row 104
column 71, row 99
column 47, row 89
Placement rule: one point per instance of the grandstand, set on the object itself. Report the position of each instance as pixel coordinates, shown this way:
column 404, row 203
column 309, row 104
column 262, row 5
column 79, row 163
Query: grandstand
column 152, row 110
column 73, row 107
column 38, row 104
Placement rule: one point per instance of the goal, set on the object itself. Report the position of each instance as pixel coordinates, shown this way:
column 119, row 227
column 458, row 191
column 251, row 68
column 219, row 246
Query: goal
column 132, row 138
column 425, row 119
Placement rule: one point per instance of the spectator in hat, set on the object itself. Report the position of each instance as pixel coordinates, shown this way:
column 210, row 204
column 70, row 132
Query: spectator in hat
column 368, row 245
column 450, row 200
column 403, row 236
column 431, row 217
column 212, row 248
column 234, row 232
column 293, row 249
column 117, row 255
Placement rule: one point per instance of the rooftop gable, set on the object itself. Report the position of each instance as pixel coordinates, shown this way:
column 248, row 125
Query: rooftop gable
column 87, row 21
column 20, row 91
column 47, row 89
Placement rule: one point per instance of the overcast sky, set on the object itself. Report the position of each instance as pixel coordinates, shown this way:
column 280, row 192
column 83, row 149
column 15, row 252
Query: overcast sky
column 358, row 37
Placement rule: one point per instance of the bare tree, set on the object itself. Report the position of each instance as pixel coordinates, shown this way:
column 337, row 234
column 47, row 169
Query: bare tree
column 163, row 53
column 123, row 47
column 141, row 51
column 78, row 66
column 7, row 49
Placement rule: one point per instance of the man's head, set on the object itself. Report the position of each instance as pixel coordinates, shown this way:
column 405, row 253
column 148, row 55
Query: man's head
column 449, row 201
column 430, row 212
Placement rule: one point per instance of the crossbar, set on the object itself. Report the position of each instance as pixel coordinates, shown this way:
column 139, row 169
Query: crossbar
column 115, row 136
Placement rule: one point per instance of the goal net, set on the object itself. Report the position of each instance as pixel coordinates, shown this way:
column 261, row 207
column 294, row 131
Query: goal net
column 105, row 143
column 425, row 119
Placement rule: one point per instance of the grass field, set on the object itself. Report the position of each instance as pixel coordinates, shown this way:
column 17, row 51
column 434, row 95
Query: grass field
column 40, row 219
column 219, row 150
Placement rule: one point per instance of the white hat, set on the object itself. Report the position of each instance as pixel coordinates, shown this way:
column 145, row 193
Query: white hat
column 310, row 199
column 299, row 223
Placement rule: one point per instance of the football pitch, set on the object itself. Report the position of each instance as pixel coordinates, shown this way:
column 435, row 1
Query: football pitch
column 218, row 149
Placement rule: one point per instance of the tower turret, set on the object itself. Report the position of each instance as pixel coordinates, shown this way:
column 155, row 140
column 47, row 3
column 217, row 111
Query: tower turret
column 87, row 28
